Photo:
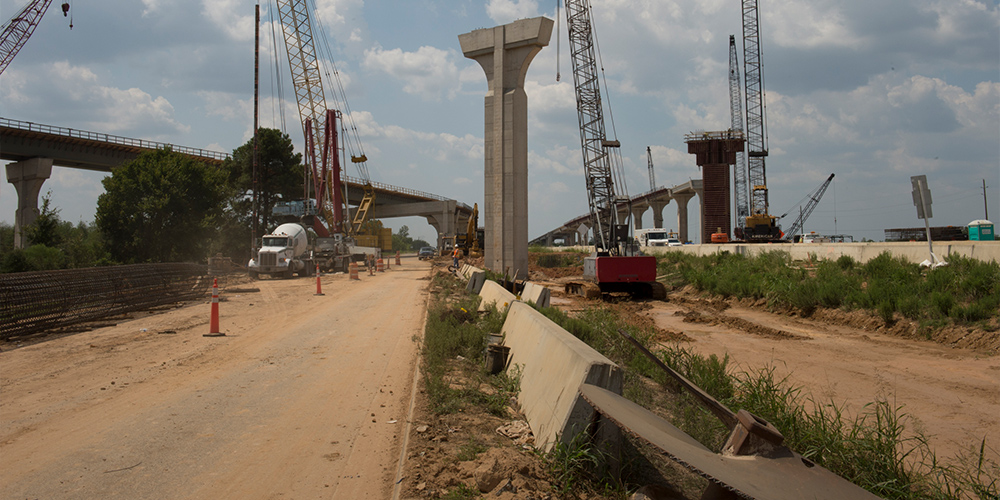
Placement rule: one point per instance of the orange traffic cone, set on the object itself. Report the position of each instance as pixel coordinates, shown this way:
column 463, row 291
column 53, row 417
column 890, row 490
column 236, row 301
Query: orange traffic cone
column 213, row 324
column 354, row 271
column 319, row 288
column 380, row 265
column 397, row 258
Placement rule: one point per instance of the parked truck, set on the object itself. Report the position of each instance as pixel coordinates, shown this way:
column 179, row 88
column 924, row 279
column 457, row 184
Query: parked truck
column 294, row 249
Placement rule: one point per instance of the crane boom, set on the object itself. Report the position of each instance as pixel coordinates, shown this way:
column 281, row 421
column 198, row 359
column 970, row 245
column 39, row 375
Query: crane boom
column 599, row 153
column 814, row 198
column 736, row 117
column 615, row 265
column 760, row 224
column 311, row 99
column 18, row 29
column 649, row 159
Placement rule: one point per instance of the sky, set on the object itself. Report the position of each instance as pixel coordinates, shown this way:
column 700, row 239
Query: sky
column 874, row 92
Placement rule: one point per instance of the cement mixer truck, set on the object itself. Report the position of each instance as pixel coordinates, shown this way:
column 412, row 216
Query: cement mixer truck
column 284, row 252
column 293, row 249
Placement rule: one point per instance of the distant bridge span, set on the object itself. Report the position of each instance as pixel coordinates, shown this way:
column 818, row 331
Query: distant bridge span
column 35, row 148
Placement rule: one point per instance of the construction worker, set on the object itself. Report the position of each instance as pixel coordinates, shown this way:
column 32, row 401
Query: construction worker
column 454, row 256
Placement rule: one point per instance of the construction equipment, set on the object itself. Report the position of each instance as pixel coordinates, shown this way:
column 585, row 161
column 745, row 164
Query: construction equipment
column 649, row 160
column 469, row 242
column 807, row 209
column 736, row 120
column 760, row 225
column 18, row 29
column 320, row 124
column 615, row 265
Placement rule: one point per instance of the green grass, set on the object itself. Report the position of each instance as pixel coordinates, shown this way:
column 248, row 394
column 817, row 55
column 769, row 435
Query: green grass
column 965, row 292
column 455, row 338
column 875, row 448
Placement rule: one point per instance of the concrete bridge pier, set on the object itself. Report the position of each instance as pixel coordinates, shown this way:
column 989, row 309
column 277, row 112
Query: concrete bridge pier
column 657, row 207
column 27, row 176
column 637, row 212
column 682, row 214
column 504, row 52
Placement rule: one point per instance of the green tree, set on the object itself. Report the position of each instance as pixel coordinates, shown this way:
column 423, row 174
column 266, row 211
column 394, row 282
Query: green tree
column 45, row 229
column 161, row 207
column 279, row 175
column 401, row 241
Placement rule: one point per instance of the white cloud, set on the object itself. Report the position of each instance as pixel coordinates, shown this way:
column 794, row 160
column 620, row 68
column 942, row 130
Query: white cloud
column 506, row 11
column 427, row 73
column 225, row 15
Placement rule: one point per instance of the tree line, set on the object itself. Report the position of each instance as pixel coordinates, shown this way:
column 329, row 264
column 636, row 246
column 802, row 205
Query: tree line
column 168, row 207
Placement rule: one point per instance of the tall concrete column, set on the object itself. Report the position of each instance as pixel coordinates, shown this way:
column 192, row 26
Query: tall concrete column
column 504, row 52
column 682, row 214
column 657, row 207
column 637, row 212
column 27, row 177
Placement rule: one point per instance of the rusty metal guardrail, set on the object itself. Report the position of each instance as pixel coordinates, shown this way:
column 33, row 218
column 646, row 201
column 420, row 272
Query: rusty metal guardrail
column 35, row 302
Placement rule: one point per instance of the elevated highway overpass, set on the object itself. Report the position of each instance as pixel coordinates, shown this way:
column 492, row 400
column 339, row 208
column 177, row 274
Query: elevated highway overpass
column 575, row 231
column 35, row 148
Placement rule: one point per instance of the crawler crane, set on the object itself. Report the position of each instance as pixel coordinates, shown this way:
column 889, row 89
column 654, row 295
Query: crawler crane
column 760, row 225
column 615, row 265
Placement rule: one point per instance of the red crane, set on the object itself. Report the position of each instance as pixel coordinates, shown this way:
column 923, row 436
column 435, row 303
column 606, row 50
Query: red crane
column 19, row 28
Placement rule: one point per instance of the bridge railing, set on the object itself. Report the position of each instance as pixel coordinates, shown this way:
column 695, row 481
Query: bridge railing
column 108, row 138
column 204, row 153
column 402, row 190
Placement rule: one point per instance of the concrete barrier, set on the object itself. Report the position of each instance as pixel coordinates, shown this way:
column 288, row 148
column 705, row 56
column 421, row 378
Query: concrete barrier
column 493, row 293
column 536, row 293
column 913, row 251
column 553, row 364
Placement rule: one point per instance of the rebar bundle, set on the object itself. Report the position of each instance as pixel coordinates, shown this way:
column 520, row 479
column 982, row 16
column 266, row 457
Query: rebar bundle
column 34, row 302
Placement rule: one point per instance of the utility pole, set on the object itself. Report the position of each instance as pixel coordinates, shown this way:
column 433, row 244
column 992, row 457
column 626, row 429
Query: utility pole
column 256, row 113
column 986, row 207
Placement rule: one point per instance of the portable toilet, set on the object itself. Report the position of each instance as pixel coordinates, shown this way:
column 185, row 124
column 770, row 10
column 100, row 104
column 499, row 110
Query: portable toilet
column 981, row 230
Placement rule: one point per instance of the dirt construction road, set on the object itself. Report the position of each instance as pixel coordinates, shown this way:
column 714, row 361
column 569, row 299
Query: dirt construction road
column 305, row 397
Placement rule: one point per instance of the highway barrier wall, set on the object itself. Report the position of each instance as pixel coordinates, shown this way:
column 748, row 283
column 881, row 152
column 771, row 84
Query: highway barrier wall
column 475, row 277
column 536, row 293
column 493, row 293
column 914, row 251
column 553, row 364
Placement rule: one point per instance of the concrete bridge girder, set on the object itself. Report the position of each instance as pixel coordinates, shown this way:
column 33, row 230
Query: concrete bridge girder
column 443, row 216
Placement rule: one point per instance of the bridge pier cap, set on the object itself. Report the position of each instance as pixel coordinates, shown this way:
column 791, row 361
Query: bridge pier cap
column 27, row 176
column 504, row 53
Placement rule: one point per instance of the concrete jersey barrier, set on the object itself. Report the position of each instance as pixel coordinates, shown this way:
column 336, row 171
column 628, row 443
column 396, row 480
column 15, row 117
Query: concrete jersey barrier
column 536, row 293
column 493, row 293
column 553, row 365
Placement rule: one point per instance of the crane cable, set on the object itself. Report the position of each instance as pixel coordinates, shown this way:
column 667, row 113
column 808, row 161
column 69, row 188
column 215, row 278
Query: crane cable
column 617, row 167
column 276, row 83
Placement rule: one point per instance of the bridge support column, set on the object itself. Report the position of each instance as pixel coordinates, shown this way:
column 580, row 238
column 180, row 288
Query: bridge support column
column 582, row 234
column 657, row 208
column 637, row 216
column 682, row 214
column 27, row 177
column 504, row 52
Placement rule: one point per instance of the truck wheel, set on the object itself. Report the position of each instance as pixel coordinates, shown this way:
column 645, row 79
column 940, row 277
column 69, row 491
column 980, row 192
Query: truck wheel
column 289, row 274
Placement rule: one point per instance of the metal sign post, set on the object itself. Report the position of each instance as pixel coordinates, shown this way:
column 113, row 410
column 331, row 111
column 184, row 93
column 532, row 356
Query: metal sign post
column 922, row 200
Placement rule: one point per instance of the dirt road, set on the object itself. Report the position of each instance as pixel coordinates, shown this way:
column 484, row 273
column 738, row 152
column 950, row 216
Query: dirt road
column 952, row 395
column 305, row 397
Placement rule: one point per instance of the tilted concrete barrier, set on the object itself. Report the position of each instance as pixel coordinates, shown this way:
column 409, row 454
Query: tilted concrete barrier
column 553, row 364
column 536, row 293
column 493, row 293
